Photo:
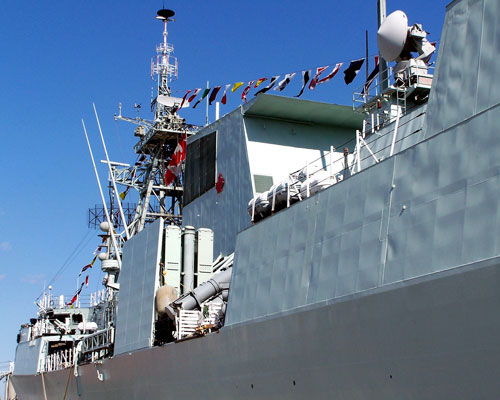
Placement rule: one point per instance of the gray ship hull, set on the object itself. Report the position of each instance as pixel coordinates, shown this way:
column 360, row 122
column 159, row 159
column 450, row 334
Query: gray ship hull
column 426, row 338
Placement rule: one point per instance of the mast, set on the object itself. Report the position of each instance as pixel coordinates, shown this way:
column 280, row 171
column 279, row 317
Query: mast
column 157, row 142
column 381, row 14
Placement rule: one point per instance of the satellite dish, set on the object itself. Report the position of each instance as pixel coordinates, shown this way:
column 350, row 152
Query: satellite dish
column 391, row 35
column 164, row 14
column 169, row 101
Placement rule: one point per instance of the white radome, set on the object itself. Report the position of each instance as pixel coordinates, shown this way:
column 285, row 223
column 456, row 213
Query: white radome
column 391, row 35
column 103, row 256
column 104, row 226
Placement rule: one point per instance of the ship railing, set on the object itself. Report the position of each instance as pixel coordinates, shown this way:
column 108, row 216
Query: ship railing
column 98, row 344
column 331, row 167
column 384, row 99
column 6, row 368
column 59, row 360
column 186, row 323
column 191, row 323
column 82, row 301
column 328, row 169
column 414, row 75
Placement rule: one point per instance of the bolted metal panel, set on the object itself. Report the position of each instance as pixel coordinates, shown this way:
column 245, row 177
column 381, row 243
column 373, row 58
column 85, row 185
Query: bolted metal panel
column 205, row 254
column 173, row 256
column 466, row 79
column 432, row 207
column 225, row 213
column 27, row 355
column 188, row 259
column 138, row 283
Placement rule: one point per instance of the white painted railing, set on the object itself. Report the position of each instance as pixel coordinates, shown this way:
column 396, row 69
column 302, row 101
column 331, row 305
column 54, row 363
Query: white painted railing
column 59, row 360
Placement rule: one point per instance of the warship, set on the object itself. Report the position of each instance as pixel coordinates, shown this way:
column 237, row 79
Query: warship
column 294, row 249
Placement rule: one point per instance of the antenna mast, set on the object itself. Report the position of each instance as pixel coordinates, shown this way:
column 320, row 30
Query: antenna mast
column 157, row 142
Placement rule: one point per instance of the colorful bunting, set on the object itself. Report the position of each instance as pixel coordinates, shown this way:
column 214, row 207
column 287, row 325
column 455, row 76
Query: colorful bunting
column 72, row 300
column 224, row 99
column 184, row 99
column 246, row 90
column 315, row 79
column 331, row 74
column 86, row 281
column 350, row 73
column 88, row 266
column 205, row 93
column 213, row 95
column 272, row 82
column 174, row 166
column 352, row 70
column 283, row 83
column 96, row 251
column 259, row 82
column 80, row 290
column 236, row 86
column 76, row 295
column 193, row 96
column 305, row 79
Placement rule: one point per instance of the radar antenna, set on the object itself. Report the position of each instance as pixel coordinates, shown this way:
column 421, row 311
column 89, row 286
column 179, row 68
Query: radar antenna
column 157, row 142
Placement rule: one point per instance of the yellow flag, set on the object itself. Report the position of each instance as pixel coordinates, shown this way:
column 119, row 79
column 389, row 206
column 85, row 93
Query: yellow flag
column 236, row 86
column 122, row 195
column 259, row 82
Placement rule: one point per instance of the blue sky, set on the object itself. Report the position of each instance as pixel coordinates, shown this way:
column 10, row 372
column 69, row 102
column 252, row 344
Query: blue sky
column 59, row 57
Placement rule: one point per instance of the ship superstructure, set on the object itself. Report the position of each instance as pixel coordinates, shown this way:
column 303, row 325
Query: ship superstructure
column 352, row 252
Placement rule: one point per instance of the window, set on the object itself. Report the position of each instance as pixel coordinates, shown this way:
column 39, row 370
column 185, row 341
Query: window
column 199, row 175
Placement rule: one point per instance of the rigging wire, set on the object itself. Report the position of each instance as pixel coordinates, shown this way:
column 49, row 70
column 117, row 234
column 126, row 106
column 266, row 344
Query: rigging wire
column 77, row 250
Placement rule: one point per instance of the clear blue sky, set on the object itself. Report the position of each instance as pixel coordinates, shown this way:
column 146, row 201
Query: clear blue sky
column 60, row 56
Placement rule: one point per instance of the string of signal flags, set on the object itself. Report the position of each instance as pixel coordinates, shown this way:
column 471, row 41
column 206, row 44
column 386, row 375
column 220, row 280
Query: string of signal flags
column 321, row 75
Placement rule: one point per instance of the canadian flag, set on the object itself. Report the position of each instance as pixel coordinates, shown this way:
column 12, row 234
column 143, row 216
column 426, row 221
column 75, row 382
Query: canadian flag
column 174, row 166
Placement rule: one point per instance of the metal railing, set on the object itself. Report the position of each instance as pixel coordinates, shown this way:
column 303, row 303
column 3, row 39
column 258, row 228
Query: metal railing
column 59, row 360
column 383, row 101
column 99, row 344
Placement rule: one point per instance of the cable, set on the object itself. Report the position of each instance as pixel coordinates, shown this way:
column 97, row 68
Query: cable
column 79, row 247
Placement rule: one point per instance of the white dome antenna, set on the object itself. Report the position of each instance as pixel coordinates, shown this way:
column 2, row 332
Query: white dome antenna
column 396, row 41
column 392, row 35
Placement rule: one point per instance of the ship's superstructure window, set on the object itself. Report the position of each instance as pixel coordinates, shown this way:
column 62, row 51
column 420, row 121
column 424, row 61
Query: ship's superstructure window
column 199, row 175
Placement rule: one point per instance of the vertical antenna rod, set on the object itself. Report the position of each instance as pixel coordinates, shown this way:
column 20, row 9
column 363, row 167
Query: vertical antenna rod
column 122, row 215
column 102, row 198
column 382, row 13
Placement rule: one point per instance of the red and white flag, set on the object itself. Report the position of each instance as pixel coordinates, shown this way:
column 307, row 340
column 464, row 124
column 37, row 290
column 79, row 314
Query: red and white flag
column 193, row 96
column 175, row 164
column 315, row 79
column 331, row 74
column 72, row 300
column 224, row 98
column 184, row 99
column 246, row 90
column 87, row 280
